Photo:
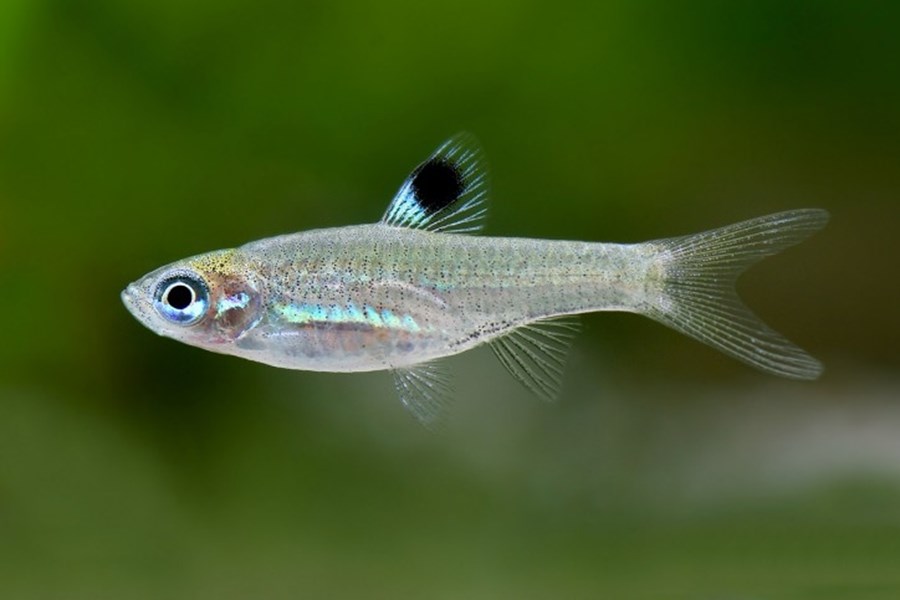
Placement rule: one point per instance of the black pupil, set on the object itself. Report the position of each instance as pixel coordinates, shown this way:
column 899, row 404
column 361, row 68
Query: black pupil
column 437, row 184
column 180, row 296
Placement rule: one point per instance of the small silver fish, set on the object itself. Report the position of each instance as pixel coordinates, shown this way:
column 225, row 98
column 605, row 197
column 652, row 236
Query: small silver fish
column 406, row 291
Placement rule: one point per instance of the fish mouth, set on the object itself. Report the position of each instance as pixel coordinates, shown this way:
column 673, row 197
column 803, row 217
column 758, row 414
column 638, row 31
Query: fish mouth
column 130, row 297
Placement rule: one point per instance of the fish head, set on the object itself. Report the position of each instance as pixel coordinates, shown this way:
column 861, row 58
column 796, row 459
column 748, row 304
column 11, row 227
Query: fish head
column 208, row 301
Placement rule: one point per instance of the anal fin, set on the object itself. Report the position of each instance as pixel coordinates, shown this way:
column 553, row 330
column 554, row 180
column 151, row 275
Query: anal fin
column 535, row 354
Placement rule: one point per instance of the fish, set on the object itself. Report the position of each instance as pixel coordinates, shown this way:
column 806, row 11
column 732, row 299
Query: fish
column 420, row 285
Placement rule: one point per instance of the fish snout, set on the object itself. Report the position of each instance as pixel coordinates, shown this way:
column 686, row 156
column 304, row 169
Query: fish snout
column 131, row 298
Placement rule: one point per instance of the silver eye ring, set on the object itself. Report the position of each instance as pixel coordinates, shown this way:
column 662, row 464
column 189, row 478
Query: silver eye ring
column 182, row 298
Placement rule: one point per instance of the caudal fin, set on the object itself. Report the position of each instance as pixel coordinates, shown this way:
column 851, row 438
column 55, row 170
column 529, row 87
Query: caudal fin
column 695, row 291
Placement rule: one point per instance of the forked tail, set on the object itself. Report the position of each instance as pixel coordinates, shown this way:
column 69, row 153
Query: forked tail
column 693, row 289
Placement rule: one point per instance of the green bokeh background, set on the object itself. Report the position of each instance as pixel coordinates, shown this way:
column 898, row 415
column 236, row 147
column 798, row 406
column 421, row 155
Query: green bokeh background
column 136, row 133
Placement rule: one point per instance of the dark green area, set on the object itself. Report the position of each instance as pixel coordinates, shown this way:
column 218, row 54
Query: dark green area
column 136, row 133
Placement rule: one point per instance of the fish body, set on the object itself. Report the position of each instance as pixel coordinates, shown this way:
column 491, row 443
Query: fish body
column 402, row 293
column 373, row 297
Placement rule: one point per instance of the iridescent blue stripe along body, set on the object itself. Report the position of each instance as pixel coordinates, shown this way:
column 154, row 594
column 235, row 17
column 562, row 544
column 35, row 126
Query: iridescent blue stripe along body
column 415, row 287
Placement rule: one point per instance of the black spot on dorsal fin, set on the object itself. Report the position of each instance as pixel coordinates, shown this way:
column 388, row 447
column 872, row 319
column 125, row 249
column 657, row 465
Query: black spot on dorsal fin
column 437, row 184
column 447, row 192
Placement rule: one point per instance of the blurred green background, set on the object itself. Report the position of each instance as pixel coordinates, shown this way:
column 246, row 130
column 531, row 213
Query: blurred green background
column 136, row 133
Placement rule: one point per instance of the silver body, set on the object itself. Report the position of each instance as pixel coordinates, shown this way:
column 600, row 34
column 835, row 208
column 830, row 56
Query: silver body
column 372, row 297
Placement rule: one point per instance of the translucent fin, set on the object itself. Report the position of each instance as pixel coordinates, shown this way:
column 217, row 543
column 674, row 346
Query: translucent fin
column 535, row 354
column 424, row 391
column 448, row 192
column 696, row 294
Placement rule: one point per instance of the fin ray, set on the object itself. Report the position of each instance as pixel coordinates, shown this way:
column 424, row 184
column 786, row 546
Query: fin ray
column 424, row 390
column 696, row 295
column 448, row 192
column 535, row 354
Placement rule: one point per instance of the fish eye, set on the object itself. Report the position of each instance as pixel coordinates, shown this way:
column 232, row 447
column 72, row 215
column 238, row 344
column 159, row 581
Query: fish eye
column 181, row 299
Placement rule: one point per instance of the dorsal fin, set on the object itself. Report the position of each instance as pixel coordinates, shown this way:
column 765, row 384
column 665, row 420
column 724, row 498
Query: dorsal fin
column 448, row 192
